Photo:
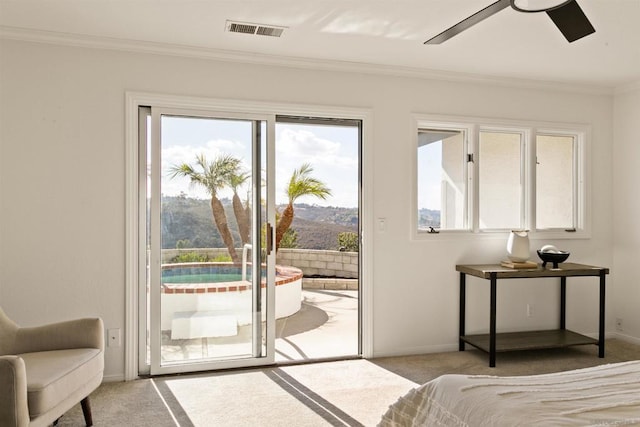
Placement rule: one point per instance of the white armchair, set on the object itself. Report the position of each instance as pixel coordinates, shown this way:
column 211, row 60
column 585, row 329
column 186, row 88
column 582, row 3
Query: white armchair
column 46, row 370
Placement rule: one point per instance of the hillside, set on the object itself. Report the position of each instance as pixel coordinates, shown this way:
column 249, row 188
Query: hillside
column 347, row 217
column 188, row 222
column 428, row 218
column 316, row 235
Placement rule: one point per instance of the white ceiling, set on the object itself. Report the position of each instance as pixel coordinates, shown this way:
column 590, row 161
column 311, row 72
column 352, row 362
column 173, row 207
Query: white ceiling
column 388, row 33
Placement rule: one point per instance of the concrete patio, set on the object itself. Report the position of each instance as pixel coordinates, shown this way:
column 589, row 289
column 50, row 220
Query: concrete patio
column 325, row 327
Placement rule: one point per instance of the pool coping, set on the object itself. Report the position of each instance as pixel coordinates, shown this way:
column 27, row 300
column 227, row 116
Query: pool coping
column 284, row 275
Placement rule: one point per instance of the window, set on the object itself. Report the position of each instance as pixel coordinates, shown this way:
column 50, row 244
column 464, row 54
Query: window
column 555, row 181
column 478, row 176
column 500, row 180
column 441, row 179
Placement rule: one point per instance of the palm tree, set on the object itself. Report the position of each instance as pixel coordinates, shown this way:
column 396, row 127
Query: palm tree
column 301, row 184
column 242, row 214
column 213, row 176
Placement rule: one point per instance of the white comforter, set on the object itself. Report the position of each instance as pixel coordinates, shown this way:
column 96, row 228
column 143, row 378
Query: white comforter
column 601, row 395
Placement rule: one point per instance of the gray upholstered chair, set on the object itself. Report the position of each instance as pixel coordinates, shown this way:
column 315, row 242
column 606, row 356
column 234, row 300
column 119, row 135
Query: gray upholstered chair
column 46, row 370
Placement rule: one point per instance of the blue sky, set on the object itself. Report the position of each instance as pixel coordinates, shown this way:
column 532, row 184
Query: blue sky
column 331, row 150
column 430, row 176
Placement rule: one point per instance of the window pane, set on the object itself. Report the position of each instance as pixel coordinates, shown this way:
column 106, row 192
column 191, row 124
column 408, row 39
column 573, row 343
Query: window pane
column 441, row 179
column 500, row 175
column 555, row 181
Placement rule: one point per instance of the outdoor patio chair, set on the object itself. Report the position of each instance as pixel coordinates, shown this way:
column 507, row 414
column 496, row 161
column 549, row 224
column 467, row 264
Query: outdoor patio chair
column 46, row 370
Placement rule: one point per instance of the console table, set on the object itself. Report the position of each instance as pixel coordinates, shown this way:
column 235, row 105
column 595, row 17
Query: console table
column 562, row 337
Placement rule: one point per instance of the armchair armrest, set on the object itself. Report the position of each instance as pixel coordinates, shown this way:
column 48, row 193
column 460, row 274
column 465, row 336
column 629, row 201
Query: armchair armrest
column 14, row 410
column 79, row 333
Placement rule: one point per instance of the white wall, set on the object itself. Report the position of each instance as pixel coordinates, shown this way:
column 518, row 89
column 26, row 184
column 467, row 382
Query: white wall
column 62, row 186
column 626, row 210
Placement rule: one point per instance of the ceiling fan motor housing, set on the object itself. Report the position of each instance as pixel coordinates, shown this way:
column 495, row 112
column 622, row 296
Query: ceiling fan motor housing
column 535, row 6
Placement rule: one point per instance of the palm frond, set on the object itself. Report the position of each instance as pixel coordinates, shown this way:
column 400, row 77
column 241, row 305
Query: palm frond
column 213, row 176
column 237, row 179
column 303, row 184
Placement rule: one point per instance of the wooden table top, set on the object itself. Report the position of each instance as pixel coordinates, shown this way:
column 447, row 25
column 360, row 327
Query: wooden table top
column 567, row 269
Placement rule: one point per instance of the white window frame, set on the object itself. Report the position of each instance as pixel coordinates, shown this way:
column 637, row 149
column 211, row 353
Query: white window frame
column 467, row 131
column 529, row 130
column 525, row 138
column 581, row 207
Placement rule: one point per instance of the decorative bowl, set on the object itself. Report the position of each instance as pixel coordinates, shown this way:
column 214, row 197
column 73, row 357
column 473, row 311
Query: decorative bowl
column 553, row 257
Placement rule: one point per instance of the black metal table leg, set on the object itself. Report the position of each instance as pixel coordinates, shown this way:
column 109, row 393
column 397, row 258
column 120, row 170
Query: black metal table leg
column 492, row 323
column 462, row 310
column 601, row 321
column 563, row 303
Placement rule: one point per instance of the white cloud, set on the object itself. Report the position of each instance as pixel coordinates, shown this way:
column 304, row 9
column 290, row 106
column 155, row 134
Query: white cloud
column 305, row 147
column 302, row 143
column 335, row 163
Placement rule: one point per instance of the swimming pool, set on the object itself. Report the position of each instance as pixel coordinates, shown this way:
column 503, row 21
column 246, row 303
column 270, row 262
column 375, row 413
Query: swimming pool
column 218, row 287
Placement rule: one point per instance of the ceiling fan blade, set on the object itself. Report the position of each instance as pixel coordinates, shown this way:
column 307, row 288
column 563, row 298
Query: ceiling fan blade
column 469, row 22
column 571, row 21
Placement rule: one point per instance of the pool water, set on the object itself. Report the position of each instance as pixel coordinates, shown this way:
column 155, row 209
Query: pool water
column 203, row 274
column 202, row 278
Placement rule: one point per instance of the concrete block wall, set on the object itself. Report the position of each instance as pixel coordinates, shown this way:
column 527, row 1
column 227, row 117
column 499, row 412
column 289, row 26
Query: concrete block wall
column 320, row 262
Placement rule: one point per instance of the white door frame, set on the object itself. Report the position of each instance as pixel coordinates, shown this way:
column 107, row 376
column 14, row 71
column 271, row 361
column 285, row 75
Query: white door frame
column 134, row 100
column 156, row 365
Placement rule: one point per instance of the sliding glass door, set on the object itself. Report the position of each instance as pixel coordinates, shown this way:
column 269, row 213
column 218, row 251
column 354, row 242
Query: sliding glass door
column 207, row 213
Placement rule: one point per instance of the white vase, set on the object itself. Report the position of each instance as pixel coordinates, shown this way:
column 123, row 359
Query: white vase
column 518, row 246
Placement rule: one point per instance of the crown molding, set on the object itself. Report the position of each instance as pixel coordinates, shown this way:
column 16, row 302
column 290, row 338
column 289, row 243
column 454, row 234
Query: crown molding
column 138, row 46
column 629, row 87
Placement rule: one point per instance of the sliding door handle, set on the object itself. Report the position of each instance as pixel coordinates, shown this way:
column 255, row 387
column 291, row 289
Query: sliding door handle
column 269, row 238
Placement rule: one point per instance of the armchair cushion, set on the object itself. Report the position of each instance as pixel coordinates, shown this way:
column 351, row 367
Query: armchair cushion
column 56, row 375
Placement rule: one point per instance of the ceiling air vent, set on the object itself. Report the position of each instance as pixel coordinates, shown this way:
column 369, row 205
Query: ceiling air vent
column 257, row 29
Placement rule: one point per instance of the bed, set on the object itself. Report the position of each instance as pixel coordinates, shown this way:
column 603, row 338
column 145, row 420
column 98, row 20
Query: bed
column 601, row 395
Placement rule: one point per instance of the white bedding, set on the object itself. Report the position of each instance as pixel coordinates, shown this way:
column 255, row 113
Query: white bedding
column 601, row 395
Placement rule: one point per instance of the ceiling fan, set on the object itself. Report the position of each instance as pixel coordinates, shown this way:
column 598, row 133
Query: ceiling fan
column 566, row 14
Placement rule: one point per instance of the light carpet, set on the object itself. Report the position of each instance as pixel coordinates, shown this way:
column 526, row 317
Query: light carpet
column 344, row 393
